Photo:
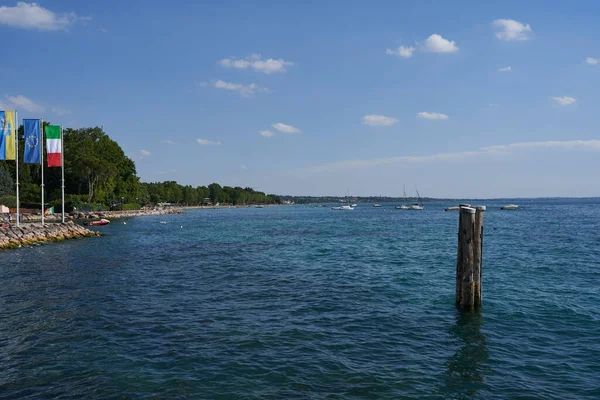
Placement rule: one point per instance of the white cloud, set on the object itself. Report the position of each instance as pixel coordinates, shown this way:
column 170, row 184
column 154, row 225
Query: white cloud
column 552, row 144
column 243, row 90
column 60, row 111
column 378, row 120
column 266, row 133
column 512, row 30
column 206, row 142
column 505, row 69
column 22, row 102
column 564, row 100
column 32, row 16
column 169, row 141
column 256, row 62
column 432, row 115
column 437, row 44
column 145, row 153
column 402, row 51
column 457, row 156
column 285, row 128
column 592, row 60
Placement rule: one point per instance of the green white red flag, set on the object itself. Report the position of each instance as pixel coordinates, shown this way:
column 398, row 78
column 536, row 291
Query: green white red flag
column 54, row 145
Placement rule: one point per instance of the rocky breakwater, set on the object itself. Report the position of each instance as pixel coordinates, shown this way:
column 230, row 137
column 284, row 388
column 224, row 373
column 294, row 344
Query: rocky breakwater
column 101, row 214
column 13, row 236
column 123, row 214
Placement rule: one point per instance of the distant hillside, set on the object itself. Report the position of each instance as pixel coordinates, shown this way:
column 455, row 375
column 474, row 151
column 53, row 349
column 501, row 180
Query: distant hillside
column 355, row 199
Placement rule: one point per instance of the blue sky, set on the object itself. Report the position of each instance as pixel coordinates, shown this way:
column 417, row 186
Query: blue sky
column 462, row 99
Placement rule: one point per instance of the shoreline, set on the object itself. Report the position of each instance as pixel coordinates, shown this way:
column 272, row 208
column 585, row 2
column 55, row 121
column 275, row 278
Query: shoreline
column 86, row 215
column 13, row 237
column 31, row 232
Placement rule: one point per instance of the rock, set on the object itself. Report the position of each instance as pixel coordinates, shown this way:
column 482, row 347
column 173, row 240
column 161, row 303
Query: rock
column 15, row 236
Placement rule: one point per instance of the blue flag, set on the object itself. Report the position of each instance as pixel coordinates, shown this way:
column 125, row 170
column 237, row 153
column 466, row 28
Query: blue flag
column 33, row 141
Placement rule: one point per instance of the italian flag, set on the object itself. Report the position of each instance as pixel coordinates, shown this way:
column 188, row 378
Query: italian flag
column 53, row 145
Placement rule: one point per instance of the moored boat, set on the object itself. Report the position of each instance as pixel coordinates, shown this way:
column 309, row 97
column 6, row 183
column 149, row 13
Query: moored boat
column 346, row 207
column 103, row 221
column 403, row 206
column 419, row 205
column 509, row 207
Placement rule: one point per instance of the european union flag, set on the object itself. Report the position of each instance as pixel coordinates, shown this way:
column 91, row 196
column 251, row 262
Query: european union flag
column 33, row 141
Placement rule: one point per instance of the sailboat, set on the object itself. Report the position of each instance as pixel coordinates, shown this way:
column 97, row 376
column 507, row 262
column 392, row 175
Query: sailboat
column 345, row 206
column 418, row 205
column 403, row 206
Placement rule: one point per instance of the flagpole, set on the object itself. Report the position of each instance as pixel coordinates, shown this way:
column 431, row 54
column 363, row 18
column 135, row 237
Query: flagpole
column 17, row 163
column 42, row 163
column 62, row 163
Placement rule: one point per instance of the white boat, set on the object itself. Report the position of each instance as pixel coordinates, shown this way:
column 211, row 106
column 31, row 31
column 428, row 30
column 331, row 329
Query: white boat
column 453, row 208
column 509, row 207
column 419, row 205
column 346, row 206
column 354, row 205
column 403, row 206
column 377, row 205
column 342, row 208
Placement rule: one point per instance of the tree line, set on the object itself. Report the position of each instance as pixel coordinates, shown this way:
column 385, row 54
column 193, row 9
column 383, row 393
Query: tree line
column 172, row 192
column 98, row 173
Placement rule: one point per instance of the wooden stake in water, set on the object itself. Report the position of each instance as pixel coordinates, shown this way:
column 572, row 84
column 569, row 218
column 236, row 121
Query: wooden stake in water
column 468, row 260
column 478, row 252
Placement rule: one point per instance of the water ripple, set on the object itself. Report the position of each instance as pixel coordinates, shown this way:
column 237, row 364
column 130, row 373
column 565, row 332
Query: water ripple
column 306, row 303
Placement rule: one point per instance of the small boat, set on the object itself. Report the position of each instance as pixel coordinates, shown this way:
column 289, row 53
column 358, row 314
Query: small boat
column 377, row 205
column 453, row 208
column 354, row 205
column 98, row 223
column 509, row 207
column 403, row 206
column 419, row 205
column 343, row 208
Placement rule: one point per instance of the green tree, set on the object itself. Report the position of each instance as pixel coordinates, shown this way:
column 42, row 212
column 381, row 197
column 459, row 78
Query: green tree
column 215, row 191
column 7, row 184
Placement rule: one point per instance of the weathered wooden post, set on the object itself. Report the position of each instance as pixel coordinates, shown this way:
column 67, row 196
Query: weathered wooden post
column 459, row 256
column 464, row 262
column 478, row 253
column 468, row 260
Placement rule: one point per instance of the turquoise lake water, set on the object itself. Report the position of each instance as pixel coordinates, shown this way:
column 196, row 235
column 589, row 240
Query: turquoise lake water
column 308, row 303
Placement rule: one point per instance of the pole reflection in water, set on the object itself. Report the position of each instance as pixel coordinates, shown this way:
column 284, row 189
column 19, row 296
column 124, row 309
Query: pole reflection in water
column 466, row 369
